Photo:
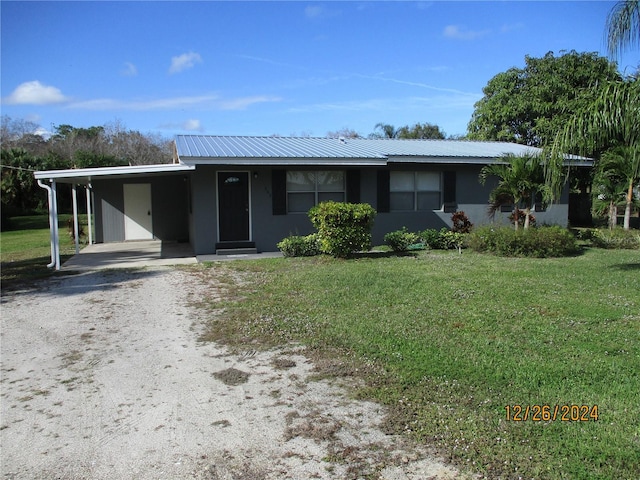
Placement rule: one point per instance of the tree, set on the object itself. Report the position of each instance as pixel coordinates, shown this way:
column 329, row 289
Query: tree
column 417, row 131
column 609, row 189
column 611, row 120
column 421, row 131
column 20, row 191
column 623, row 27
column 383, row 130
column 521, row 179
column 344, row 132
column 531, row 104
column 24, row 150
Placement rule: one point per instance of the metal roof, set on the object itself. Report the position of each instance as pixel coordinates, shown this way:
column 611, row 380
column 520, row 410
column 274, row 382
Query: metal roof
column 195, row 148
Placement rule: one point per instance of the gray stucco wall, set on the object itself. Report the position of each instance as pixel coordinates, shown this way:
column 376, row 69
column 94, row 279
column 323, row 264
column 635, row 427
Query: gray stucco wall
column 203, row 218
column 268, row 229
column 169, row 207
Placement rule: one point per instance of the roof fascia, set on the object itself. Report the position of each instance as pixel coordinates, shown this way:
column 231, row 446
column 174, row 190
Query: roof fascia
column 285, row 162
column 570, row 161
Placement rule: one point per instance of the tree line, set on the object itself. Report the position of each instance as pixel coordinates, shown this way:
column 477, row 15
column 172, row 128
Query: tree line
column 24, row 151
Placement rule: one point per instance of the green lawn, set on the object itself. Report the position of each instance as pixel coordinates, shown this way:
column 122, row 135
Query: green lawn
column 25, row 250
column 447, row 341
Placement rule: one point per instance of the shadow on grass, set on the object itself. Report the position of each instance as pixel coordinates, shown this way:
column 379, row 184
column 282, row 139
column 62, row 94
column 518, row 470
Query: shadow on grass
column 32, row 277
column 23, row 272
column 34, row 222
column 626, row 267
column 383, row 254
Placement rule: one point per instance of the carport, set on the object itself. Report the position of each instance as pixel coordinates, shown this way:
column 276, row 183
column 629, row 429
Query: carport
column 106, row 211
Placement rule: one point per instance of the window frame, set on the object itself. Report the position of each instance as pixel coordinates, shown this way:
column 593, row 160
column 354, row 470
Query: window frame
column 317, row 191
column 416, row 192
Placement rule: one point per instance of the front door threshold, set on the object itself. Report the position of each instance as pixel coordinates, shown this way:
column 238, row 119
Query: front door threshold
column 236, row 248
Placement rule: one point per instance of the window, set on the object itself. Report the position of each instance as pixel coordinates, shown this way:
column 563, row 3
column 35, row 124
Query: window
column 410, row 191
column 306, row 189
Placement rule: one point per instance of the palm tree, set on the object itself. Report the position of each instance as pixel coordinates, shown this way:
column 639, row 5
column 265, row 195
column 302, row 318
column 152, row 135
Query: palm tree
column 612, row 120
column 388, row 131
column 608, row 192
column 622, row 166
column 521, row 178
column 623, row 26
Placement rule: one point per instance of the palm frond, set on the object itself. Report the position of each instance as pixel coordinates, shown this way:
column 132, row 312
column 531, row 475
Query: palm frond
column 623, row 27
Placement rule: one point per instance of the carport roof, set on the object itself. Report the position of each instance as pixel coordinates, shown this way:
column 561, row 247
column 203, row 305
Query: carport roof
column 86, row 175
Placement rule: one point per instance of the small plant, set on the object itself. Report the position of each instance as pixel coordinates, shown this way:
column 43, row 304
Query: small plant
column 431, row 238
column 300, row 246
column 443, row 239
column 401, row 240
column 343, row 228
column 71, row 230
column 460, row 222
column 450, row 240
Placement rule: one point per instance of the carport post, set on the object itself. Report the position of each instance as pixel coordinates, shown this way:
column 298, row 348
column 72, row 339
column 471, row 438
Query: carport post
column 56, row 237
column 88, row 189
column 74, row 196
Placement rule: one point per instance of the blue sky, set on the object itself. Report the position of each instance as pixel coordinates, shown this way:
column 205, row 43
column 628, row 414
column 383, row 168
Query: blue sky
column 263, row 68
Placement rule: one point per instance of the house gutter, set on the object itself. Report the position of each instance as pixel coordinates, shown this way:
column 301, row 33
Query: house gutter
column 53, row 223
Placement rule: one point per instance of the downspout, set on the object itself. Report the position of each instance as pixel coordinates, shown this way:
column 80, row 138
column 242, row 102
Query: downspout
column 53, row 224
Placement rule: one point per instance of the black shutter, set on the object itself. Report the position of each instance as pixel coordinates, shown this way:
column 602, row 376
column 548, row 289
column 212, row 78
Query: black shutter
column 353, row 186
column 449, row 187
column 449, row 191
column 279, row 192
column 384, row 200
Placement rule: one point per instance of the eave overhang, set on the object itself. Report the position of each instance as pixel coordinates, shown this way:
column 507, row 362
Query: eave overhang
column 86, row 175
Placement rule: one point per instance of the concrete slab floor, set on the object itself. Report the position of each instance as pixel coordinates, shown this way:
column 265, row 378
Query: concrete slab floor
column 145, row 253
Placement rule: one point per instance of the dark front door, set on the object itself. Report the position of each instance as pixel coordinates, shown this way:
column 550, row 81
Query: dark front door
column 233, row 206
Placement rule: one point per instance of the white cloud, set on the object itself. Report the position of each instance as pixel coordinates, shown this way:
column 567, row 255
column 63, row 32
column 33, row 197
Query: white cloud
column 317, row 12
column 184, row 61
column 244, row 102
column 200, row 102
column 143, row 105
column 458, row 32
column 129, row 70
column 510, row 27
column 313, row 11
column 35, row 93
column 192, row 125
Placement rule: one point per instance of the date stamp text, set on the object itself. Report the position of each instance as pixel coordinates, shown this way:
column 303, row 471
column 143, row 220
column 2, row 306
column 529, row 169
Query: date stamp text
column 551, row 413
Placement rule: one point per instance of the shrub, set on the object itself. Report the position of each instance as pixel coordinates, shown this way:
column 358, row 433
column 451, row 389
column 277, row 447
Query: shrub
column 461, row 223
column 343, row 228
column 298, row 246
column 450, row 240
column 401, row 240
column 616, row 238
column 443, row 239
column 534, row 242
column 431, row 238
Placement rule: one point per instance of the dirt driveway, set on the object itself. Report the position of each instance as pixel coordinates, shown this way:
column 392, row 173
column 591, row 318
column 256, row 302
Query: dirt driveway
column 103, row 377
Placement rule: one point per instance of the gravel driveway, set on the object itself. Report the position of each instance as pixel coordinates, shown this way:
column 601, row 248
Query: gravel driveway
column 103, row 377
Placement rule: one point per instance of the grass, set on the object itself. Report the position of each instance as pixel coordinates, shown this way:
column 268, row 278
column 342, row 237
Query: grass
column 447, row 341
column 25, row 249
